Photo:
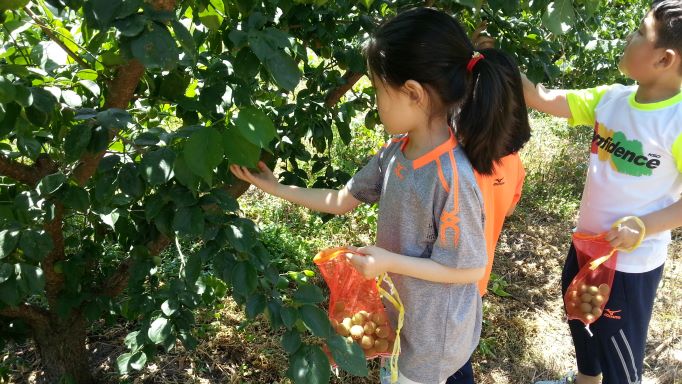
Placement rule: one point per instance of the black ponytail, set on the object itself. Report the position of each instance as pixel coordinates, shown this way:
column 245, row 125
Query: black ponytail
column 493, row 120
column 486, row 104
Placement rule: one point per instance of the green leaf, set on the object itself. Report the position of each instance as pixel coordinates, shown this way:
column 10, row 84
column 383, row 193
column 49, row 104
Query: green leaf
column 100, row 13
column 281, row 66
column 9, row 293
column 244, row 278
column 31, row 279
column 91, row 86
column 349, row 356
column 316, row 320
column 138, row 360
column 6, row 272
column 239, row 150
column 157, row 166
column 255, row 126
column 159, row 330
column 289, row 316
column 189, row 221
column 50, row 183
column 559, row 16
column 76, row 141
column 35, row 244
column 129, row 181
column 192, row 269
column 284, row 70
column 506, row 6
column 255, row 305
column 8, row 241
column 185, row 39
column 211, row 16
column 110, row 218
column 123, row 362
column 43, row 100
column 114, row 118
column 203, row 152
column 131, row 25
column 308, row 294
column 246, row 64
column 170, row 306
column 309, row 366
column 12, row 4
column 75, row 197
column 155, row 48
column 291, row 341
column 184, row 175
column 7, row 91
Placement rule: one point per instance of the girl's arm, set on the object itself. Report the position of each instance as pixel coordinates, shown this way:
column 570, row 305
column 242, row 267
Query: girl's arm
column 372, row 261
column 321, row 200
column 551, row 101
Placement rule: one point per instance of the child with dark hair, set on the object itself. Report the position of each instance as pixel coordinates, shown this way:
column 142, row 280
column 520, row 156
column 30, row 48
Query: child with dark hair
column 451, row 111
column 635, row 180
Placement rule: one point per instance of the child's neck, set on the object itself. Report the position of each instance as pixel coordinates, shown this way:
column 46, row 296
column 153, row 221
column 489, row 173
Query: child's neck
column 658, row 90
column 422, row 141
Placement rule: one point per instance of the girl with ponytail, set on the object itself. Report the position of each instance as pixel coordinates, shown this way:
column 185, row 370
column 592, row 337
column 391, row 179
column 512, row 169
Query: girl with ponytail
column 453, row 112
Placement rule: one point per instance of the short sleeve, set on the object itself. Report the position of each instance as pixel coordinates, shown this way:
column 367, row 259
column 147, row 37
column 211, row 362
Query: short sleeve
column 677, row 152
column 366, row 184
column 460, row 241
column 583, row 103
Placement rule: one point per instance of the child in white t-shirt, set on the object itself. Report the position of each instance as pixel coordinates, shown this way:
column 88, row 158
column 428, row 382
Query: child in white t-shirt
column 634, row 178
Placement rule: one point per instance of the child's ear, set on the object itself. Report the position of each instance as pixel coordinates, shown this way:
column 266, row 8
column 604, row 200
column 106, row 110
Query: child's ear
column 670, row 59
column 415, row 91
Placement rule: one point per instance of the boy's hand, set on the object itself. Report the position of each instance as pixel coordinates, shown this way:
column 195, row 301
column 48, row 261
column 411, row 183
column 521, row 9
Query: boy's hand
column 264, row 180
column 370, row 261
column 481, row 41
column 625, row 235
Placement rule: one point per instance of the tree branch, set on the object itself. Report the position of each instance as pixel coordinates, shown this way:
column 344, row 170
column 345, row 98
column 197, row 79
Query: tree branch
column 27, row 312
column 54, row 38
column 121, row 91
column 54, row 282
column 27, row 174
column 335, row 95
column 17, row 171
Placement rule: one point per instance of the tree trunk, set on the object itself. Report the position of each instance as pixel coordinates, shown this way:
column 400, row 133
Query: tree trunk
column 63, row 353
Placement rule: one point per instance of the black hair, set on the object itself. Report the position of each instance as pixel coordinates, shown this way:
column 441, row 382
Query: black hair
column 486, row 104
column 668, row 15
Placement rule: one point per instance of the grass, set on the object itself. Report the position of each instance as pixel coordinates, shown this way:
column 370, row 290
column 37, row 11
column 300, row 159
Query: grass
column 524, row 335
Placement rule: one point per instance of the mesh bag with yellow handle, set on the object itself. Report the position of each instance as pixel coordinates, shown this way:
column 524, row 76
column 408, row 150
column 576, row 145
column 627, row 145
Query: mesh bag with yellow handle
column 356, row 310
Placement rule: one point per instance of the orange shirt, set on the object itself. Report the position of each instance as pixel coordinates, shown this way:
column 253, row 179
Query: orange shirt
column 501, row 192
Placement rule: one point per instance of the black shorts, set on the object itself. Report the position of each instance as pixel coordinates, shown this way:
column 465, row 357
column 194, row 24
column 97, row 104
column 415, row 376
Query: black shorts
column 616, row 349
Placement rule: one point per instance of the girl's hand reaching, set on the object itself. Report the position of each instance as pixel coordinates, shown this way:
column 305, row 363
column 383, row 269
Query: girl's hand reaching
column 370, row 261
column 264, row 179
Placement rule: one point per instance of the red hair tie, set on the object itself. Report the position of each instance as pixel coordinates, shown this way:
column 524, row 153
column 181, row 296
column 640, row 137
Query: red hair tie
column 474, row 59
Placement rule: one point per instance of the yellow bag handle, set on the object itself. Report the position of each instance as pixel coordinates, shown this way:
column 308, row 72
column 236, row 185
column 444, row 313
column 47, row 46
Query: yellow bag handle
column 394, row 298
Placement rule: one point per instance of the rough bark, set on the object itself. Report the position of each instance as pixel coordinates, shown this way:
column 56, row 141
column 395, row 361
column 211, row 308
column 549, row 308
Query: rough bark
column 62, row 351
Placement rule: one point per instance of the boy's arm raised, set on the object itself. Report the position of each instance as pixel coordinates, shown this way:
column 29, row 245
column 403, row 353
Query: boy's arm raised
column 551, row 101
column 317, row 199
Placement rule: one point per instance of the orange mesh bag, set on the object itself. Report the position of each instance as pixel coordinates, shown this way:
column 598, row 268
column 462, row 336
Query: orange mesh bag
column 355, row 307
column 590, row 289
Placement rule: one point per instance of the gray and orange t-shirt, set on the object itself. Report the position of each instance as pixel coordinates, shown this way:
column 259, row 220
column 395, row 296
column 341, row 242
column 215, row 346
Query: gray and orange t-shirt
column 430, row 207
column 635, row 164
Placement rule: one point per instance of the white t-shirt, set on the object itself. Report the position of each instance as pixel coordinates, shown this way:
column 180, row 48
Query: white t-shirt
column 635, row 164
